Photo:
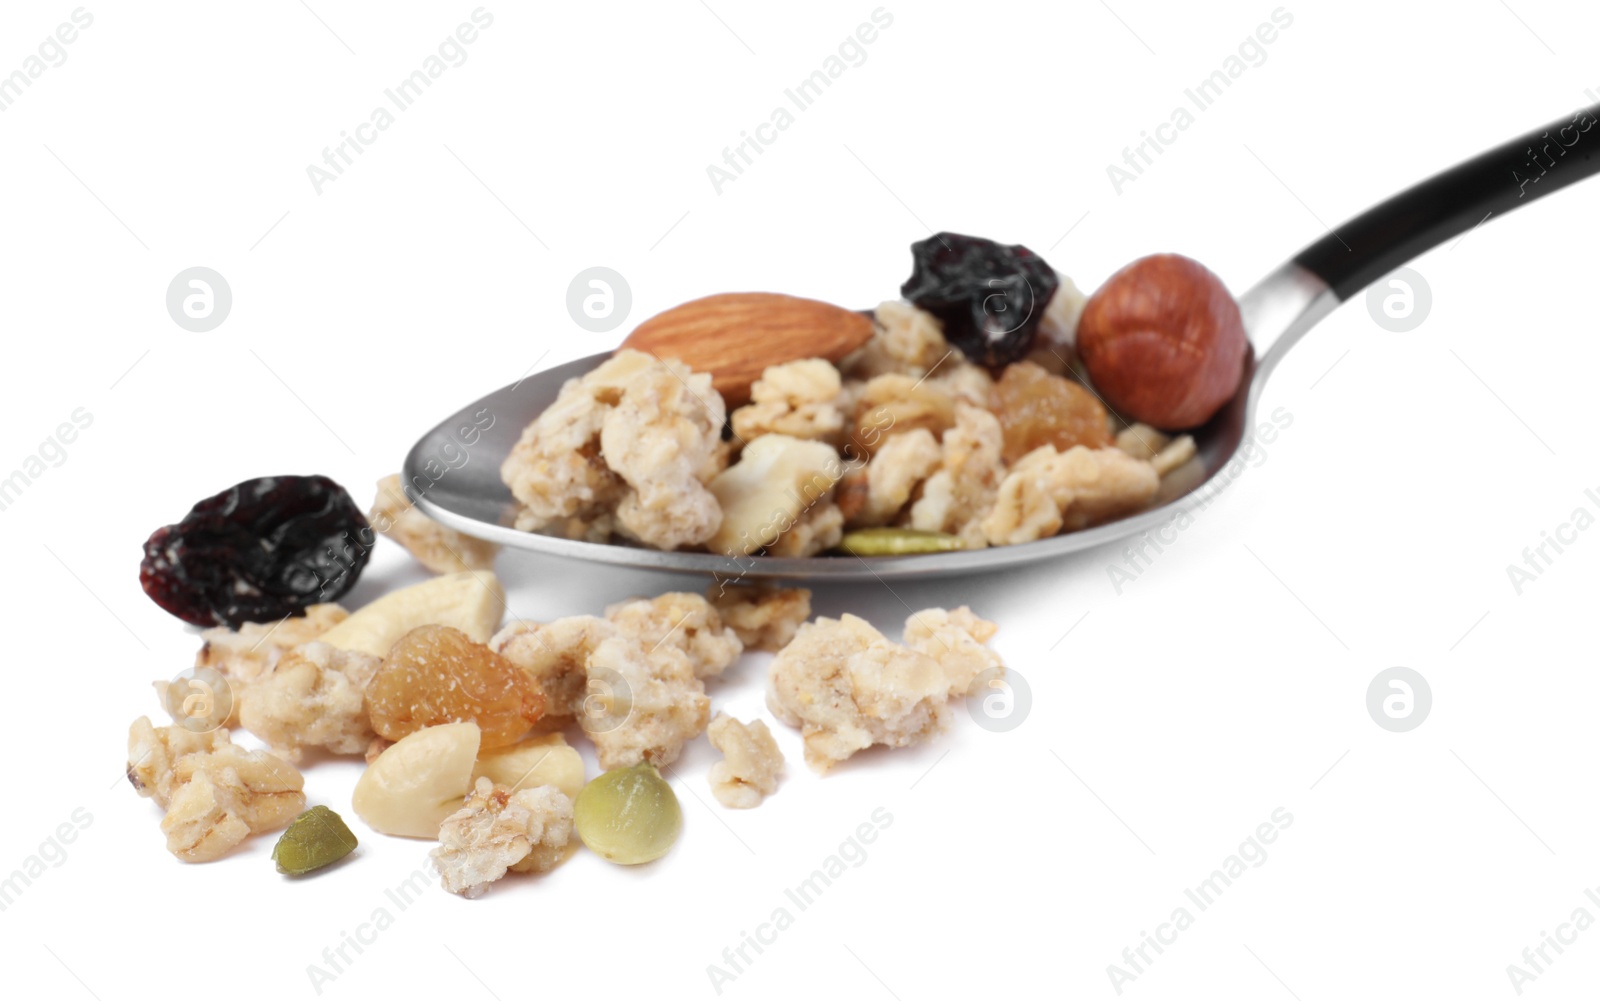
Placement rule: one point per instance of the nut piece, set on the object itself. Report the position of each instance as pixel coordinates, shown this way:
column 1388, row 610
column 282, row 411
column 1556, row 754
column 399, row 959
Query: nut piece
column 751, row 762
column 222, row 797
column 1142, row 441
column 764, row 494
column 764, row 618
column 661, row 435
column 1164, row 342
column 497, row 830
column 545, row 760
column 800, row 399
column 1060, row 324
column 470, row 602
column 314, row 697
column 1048, row 491
column 556, row 656
column 440, row 549
column 419, row 781
column 735, row 337
column 955, row 638
column 957, row 496
column 682, row 620
column 1166, row 454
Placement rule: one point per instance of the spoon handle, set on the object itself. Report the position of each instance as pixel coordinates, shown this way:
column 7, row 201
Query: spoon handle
column 1388, row 235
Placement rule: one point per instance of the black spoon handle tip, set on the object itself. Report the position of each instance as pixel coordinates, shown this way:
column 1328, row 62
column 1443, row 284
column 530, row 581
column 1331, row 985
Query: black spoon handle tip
column 1364, row 249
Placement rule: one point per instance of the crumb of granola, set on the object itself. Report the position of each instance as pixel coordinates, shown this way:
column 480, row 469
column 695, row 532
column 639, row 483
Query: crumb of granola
column 765, row 618
column 215, row 793
column 632, row 684
column 895, row 404
column 440, row 549
column 955, row 638
column 641, row 705
column 1142, row 441
column 497, row 830
column 203, row 823
column 248, row 653
column 956, row 498
column 556, row 655
column 898, row 468
column 847, row 687
column 314, row 697
column 764, row 494
column 683, row 620
column 716, row 462
column 818, row 529
column 1072, row 489
column 660, row 437
column 751, row 764
column 154, row 750
column 965, row 381
column 598, row 528
column 850, row 493
column 556, row 470
column 799, row 398
column 905, row 340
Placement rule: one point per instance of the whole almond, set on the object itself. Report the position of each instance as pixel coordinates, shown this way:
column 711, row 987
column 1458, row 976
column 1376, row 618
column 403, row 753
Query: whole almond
column 735, row 336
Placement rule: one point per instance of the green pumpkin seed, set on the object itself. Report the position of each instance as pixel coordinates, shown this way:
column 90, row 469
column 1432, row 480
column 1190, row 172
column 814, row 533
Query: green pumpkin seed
column 897, row 542
column 628, row 815
column 317, row 838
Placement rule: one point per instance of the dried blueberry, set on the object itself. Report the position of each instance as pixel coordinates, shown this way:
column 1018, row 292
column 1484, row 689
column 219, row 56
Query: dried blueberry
column 989, row 297
column 258, row 551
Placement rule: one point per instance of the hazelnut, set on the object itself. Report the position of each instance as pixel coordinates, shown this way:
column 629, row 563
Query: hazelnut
column 1163, row 342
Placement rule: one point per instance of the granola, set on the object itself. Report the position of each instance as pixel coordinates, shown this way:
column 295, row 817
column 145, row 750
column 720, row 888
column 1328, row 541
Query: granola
column 751, row 764
column 440, row 549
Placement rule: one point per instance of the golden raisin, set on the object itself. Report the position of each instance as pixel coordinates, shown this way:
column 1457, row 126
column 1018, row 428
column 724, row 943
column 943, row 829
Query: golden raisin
column 1036, row 408
column 436, row 674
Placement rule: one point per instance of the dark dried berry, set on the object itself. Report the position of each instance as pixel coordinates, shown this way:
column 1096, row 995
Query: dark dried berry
column 989, row 297
column 258, row 551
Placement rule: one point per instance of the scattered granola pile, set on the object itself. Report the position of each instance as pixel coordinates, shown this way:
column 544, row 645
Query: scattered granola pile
column 966, row 418
column 463, row 721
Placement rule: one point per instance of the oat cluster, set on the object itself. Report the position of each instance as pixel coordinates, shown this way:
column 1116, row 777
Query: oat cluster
column 904, row 433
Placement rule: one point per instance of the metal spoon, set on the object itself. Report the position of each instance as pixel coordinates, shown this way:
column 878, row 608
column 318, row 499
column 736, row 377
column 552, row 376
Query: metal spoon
column 453, row 472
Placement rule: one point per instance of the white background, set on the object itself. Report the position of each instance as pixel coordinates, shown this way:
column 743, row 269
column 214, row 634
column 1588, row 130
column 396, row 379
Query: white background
column 1224, row 683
